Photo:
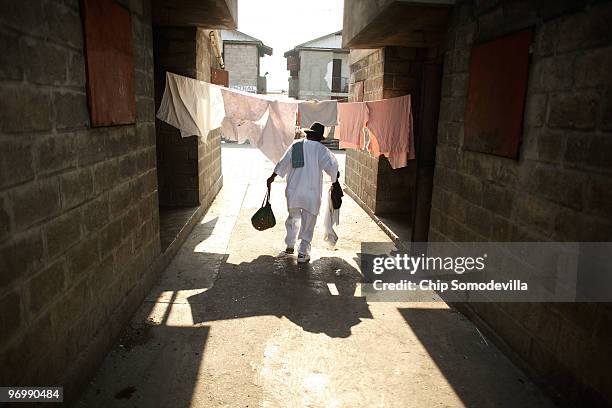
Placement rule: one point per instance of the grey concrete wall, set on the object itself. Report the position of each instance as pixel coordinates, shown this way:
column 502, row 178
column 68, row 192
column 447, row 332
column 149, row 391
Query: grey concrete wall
column 361, row 168
column 387, row 73
column 78, row 206
column 558, row 190
column 209, row 153
column 242, row 62
column 175, row 51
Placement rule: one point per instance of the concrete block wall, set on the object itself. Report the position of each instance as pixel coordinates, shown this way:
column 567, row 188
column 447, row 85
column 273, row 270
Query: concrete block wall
column 558, row 190
column 242, row 62
column 210, row 179
column 78, row 205
column 387, row 73
column 175, row 50
column 361, row 168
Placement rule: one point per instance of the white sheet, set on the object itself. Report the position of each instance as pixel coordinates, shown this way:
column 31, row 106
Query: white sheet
column 195, row 107
column 324, row 112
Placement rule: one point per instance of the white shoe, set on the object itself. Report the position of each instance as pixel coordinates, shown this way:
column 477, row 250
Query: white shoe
column 303, row 258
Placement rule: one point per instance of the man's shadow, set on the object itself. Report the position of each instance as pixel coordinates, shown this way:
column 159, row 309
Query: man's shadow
column 318, row 296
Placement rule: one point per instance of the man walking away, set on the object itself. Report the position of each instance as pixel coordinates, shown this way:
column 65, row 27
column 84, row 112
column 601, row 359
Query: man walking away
column 303, row 165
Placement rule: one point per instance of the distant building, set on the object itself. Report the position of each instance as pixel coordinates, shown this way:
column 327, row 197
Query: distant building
column 241, row 54
column 319, row 69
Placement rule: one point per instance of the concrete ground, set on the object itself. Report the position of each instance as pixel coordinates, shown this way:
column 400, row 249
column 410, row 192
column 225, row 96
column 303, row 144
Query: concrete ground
column 234, row 322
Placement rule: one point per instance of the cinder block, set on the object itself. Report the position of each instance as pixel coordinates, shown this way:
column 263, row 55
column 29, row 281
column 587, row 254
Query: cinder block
column 11, row 61
column 546, row 39
column 34, row 202
column 64, row 24
column 17, row 158
column 11, row 316
column 573, row 111
column 63, row 232
column 550, row 146
column 559, row 185
column 110, row 237
column 585, row 29
column 24, row 109
column 128, row 166
column 70, row 110
column 46, row 286
column 76, row 187
column 599, row 196
column 76, row 70
column 594, row 68
column 120, row 199
column 105, row 176
column 129, row 222
column 96, row 214
column 21, row 256
column 56, row 152
column 81, row 257
column 45, row 63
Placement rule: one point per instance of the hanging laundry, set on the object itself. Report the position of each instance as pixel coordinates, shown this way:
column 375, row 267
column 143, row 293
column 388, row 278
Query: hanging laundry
column 279, row 131
column 243, row 116
column 324, row 112
column 396, row 159
column 352, row 118
column 390, row 127
column 195, row 107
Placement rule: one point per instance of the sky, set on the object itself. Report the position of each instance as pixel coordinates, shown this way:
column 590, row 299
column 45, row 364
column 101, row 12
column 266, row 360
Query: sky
column 283, row 24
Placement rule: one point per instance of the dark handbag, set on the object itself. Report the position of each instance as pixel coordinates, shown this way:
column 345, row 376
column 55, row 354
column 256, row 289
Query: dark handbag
column 264, row 219
column 336, row 195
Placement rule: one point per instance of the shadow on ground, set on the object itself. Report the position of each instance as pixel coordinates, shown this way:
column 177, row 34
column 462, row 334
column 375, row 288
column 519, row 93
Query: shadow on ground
column 480, row 375
column 314, row 295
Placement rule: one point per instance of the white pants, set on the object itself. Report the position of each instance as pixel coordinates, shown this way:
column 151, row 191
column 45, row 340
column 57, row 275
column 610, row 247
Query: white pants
column 300, row 224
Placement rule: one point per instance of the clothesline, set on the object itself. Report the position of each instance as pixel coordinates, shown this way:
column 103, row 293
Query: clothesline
column 197, row 107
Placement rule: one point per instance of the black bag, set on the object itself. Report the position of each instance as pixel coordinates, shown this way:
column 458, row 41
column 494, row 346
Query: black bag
column 336, row 195
column 264, row 219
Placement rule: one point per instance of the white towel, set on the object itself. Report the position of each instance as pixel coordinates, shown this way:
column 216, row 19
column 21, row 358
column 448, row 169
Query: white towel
column 324, row 112
column 195, row 107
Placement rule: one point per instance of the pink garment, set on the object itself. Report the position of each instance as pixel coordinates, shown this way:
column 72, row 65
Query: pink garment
column 390, row 130
column 391, row 121
column 244, row 116
column 266, row 123
column 352, row 118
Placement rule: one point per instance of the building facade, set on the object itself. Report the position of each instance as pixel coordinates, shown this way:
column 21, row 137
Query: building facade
column 554, row 187
column 241, row 54
column 319, row 69
column 82, row 177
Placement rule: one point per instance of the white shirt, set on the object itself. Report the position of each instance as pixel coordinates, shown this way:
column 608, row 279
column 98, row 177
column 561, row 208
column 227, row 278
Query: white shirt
column 305, row 184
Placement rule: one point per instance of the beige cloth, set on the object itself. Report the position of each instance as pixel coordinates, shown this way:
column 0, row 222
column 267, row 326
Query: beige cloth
column 324, row 112
column 195, row 107
column 352, row 118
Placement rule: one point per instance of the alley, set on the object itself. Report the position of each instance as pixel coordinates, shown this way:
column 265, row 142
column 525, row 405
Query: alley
column 234, row 322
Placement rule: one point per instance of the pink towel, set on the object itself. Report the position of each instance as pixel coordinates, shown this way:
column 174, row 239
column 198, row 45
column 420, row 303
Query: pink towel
column 391, row 121
column 390, row 129
column 352, row 118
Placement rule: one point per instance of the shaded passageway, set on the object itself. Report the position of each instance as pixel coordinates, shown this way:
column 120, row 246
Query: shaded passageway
column 232, row 322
